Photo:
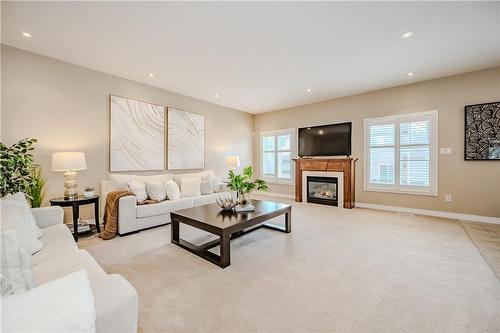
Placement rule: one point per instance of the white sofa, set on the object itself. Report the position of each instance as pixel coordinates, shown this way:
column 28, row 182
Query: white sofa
column 116, row 300
column 133, row 217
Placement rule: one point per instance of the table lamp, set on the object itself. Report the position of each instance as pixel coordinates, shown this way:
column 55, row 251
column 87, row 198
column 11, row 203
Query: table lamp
column 69, row 162
column 232, row 162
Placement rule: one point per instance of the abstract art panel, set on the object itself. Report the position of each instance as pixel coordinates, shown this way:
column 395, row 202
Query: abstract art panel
column 482, row 131
column 137, row 135
column 186, row 140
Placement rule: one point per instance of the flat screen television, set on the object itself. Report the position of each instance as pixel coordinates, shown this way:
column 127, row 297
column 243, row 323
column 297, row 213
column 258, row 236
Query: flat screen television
column 326, row 140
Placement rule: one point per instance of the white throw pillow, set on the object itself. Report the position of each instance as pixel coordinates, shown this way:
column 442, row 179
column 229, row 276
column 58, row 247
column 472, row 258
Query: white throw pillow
column 139, row 190
column 216, row 183
column 12, row 271
column 190, row 187
column 6, row 286
column 20, row 199
column 15, row 218
column 172, row 190
column 201, row 175
column 156, row 191
column 27, row 268
column 206, row 187
column 63, row 305
column 120, row 181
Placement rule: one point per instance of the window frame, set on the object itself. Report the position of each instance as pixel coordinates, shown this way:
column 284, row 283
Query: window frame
column 293, row 154
column 432, row 189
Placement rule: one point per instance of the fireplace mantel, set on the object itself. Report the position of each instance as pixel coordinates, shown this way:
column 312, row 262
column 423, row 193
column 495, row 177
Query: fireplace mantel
column 345, row 165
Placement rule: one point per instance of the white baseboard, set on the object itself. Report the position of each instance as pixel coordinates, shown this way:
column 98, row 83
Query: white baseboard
column 436, row 213
column 276, row 195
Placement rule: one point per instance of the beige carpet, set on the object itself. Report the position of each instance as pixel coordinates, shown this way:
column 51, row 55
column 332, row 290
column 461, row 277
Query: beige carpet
column 338, row 271
column 486, row 237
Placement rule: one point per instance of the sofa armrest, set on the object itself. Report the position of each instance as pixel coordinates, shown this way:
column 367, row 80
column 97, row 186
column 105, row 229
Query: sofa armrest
column 47, row 216
column 127, row 212
column 62, row 305
column 117, row 304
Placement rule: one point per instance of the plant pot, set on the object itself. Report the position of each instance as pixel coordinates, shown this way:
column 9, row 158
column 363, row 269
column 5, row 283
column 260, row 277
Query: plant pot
column 88, row 194
column 244, row 199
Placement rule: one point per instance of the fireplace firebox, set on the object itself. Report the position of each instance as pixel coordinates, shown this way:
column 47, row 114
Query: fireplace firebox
column 322, row 190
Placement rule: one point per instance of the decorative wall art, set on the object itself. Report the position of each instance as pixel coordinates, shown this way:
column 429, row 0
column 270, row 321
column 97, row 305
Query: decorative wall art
column 482, row 131
column 186, row 140
column 137, row 135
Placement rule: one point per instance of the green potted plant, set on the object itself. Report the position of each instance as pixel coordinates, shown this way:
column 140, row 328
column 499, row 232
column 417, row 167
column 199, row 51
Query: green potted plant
column 37, row 191
column 89, row 192
column 244, row 185
column 16, row 168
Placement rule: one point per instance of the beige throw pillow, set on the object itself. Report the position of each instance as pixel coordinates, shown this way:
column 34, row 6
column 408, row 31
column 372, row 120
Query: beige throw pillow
column 17, row 273
column 19, row 199
column 156, row 191
column 139, row 190
column 206, row 187
column 16, row 218
column 190, row 187
column 172, row 190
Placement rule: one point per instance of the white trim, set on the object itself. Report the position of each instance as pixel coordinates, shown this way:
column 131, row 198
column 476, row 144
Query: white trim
column 435, row 213
column 279, row 182
column 276, row 195
column 293, row 153
column 432, row 190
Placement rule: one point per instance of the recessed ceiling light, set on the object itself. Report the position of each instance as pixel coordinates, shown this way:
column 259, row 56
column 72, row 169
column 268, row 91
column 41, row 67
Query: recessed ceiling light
column 309, row 90
column 407, row 34
column 216, row 95
column 26, row 34
column 411, row 74
column 151, row 74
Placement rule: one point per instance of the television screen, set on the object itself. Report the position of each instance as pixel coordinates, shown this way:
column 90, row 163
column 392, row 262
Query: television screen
column 327, row 140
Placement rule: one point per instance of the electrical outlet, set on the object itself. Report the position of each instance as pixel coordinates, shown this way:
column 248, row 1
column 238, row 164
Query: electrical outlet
column 445, row 151
column 447, row 198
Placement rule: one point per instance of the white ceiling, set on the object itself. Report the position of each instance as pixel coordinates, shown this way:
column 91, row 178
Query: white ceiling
column 262, row 56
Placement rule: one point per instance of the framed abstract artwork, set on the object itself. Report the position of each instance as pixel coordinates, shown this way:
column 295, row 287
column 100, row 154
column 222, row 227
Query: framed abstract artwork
column 186, row 140
column 482, row 132
column 137, row 135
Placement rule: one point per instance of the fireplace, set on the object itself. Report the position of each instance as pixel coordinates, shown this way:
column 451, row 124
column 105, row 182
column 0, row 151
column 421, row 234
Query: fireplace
column 342, row 168
column 322, row 190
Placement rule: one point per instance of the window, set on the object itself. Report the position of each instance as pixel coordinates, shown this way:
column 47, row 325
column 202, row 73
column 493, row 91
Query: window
column 277, row 150
column 401, row 153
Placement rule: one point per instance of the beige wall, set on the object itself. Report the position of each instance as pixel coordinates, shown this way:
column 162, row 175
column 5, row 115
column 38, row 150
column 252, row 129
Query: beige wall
column 475, row 185
column 65, row 107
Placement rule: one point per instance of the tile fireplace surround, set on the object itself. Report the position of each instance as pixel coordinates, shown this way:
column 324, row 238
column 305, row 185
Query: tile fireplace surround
column 328, row 174
column 342, row 168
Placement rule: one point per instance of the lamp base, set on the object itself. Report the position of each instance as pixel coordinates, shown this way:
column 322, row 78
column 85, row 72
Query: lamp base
column 70, row 184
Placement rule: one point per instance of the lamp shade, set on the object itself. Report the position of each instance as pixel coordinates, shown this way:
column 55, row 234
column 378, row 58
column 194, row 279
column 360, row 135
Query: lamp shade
column 232, row 161
column 65, row 161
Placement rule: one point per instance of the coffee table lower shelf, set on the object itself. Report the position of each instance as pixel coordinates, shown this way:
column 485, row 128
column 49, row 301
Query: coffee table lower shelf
column 226, row 233
column 223, row 260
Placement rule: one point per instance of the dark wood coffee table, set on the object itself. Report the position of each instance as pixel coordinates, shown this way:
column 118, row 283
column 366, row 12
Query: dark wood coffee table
column 227, row 225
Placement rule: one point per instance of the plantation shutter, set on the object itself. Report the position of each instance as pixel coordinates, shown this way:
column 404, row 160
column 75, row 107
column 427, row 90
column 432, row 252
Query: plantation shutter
column 401, row 153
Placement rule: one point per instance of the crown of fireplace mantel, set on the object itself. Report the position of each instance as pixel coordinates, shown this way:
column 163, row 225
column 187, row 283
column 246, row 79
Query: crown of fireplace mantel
column 345, row 165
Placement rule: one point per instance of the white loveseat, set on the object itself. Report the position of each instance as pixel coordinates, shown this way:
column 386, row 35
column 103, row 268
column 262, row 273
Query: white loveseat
column 133, row 217
column 116, row 301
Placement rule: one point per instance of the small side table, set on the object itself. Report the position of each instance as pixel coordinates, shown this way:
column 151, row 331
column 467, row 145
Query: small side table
column 75, row 204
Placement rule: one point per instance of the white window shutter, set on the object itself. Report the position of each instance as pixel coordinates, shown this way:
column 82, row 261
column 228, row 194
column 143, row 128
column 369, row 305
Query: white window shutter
column 401, row 153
